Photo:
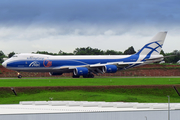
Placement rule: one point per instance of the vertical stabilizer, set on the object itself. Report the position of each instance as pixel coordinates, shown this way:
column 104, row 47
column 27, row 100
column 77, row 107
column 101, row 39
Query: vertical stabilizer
column 153, row 47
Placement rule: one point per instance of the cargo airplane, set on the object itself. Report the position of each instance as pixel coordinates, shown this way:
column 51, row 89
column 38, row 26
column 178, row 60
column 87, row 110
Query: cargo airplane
column 87, row 65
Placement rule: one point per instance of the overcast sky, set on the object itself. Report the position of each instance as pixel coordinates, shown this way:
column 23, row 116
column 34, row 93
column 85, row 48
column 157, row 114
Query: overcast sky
column 52, row 25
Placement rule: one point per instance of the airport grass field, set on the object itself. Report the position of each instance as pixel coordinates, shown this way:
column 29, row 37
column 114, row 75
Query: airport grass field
column 25, row 82
column 96, row 89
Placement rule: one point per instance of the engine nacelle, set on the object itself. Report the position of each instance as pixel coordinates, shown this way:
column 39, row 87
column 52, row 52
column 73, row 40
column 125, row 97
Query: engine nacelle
column 55, row 73
column 109, row 69
column 81, row 71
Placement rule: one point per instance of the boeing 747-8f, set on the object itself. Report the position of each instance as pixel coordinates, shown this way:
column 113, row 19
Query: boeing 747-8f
column 87, row 65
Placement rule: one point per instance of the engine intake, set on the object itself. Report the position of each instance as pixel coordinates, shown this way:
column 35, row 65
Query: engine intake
column 81, row 71
column 109, row 69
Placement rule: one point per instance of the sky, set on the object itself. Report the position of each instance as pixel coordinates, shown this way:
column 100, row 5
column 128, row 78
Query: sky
column 52, row 25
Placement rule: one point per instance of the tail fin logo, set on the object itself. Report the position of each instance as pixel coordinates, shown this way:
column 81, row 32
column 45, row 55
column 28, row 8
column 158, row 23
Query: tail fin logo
column 153, row 47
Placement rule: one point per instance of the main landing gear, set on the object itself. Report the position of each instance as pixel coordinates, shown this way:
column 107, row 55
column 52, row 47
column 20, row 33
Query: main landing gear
column 90, row 75
column 75, row 76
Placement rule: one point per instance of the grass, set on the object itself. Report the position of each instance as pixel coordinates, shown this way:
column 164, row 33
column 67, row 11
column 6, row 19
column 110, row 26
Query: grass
column 25, row 82
column 145, row 95
column 114, row 95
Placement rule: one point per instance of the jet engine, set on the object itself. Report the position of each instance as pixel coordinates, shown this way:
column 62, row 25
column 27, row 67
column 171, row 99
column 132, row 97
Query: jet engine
column 55, row 73
column 80, row 71
column 109, row 69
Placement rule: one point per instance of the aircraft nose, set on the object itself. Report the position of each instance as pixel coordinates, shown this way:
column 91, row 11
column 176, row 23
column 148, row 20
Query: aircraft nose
column 4, row 64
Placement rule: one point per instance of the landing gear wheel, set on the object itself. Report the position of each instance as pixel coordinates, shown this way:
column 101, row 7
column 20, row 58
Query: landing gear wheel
column 19, row 76
column 88, row 76
column 85, row 76
column 75, row 76
column 91, row 76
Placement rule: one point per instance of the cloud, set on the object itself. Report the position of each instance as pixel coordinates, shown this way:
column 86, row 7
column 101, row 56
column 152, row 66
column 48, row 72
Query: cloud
column 44, row 12
column 65, row 25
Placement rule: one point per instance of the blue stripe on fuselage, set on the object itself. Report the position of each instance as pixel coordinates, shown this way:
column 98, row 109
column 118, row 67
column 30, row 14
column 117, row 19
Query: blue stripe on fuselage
column 70, row 62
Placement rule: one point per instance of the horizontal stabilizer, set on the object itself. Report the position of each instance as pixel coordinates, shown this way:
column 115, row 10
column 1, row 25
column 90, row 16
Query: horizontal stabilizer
column 160, row 57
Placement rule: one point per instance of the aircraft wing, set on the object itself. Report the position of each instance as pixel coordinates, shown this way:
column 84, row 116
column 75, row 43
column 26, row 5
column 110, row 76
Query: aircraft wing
column 97, row 68
column 118, row 64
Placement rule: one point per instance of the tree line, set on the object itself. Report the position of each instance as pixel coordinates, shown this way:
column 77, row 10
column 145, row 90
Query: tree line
column 96, row 51
column 91, row 51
